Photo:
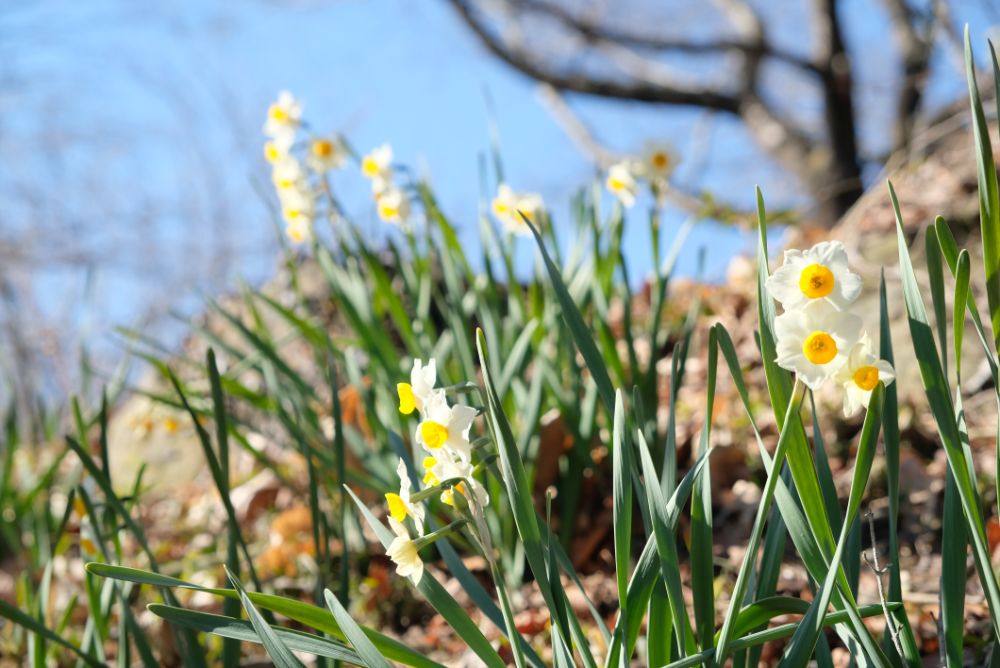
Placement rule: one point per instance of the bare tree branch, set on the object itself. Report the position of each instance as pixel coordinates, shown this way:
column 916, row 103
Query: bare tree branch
column 585, row 83
column 595, row 33
column 838, row 96
column 915, row 46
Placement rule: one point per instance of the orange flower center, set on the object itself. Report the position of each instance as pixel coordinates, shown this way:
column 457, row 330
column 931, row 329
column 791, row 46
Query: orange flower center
column 819, row 348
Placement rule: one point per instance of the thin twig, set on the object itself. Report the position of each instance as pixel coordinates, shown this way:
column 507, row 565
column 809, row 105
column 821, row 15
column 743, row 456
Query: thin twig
column 890, row 623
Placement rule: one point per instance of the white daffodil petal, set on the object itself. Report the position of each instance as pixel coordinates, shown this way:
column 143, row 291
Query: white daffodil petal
column 818, row 274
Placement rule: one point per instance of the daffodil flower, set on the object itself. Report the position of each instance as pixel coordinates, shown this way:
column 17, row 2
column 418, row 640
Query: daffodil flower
column 400, row 505
column 287, row 174
column 815, row 340
column 392, row 204
column 326, row 154
column 657, row 161
column 508, row 206
column 820, row 273
column 446, row 427
column 283, row 118
column 377, row 167
column 446, row 467
column 420, row 389
column 621, row 183
column 297, row 207
column 404, row 552
column 860, row 374
column 274, row 151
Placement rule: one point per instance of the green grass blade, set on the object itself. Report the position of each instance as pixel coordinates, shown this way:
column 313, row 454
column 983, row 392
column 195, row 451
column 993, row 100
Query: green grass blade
column 666, row 548
column 935, row 275
column 807, row 635
column 743, row 577
column 577, row 327
column 962, row 272
column 304, row 613
column 891, row 442
column 243, row 631
column 34, row 626
column 702, row 555
column 954, row 555
column 370, row 656
column 943, row 409
column 645, row 574
column 275, row 647
column 621, row 508
column 778, row 633
column 515, row 479
column 989, row 199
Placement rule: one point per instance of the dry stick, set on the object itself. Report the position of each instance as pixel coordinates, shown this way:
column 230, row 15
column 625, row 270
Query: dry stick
column 879, row 572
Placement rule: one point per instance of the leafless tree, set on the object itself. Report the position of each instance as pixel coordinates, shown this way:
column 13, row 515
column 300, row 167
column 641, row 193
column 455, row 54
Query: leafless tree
column 587, row 49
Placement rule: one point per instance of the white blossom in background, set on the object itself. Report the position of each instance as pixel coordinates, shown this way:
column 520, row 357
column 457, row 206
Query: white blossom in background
column 283, row 119
column 621, row 182
column 376, row 166
column 508, row 206
column 326, row 154
column 392, row 204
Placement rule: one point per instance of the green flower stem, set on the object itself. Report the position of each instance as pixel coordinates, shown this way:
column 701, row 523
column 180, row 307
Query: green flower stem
column 424, row 541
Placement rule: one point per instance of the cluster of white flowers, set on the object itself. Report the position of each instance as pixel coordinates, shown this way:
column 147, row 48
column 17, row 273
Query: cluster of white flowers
column 818, row 335
column 443, row 432
column 508, row 206
column 291, row 174
column 653, row 166
column 391, row 202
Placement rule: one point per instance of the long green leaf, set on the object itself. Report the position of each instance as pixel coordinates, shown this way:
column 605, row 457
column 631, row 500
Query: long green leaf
column 305, row 613
column 777, row 633
column 370, row 656
column 32, row 625
column 943, row 409
column 621, row 508
column 242, row 630
column 577, row 327
column 275, row 647
column 989, row 198
column 807, row 635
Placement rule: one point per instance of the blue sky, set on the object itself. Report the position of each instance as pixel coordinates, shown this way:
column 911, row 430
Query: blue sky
column 135, row 133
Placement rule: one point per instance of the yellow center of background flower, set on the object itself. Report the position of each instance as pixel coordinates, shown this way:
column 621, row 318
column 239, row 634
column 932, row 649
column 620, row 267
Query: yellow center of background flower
column 407, row 400
column 397, row 509
column 866, row 377
column 819, row 348
column 816, row 281
column 614, row 185
column 278, row 114
column 271, row 152
column 369, row 167
column 322, row 148
column 388, row 212
column 434, row 434
column 660, row 160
